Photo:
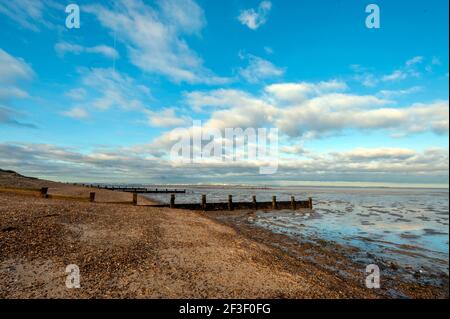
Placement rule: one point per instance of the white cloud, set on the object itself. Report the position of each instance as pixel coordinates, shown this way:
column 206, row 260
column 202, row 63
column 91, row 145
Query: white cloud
column 77, row 94
column 435, row 61
column 396, row 93
column 297, row 92
column 186, row 15
column 222, row 99
column 395, row 76
column 374, row 154
column 335, row 113
column 136, row 164
column 166, row 118
column 268, row 50
column 414, row 60
column 367, row 79
column 412, row 68
column 259, row 69
column 104, row 50
column 77, row 113
column 13, row 71
column 12, row 93
column 317, row 109
column 293, row 149
column 114, row 90
column 104, row 89
column 232, row 108
column 29, row 14
column 255, row 18
column 63, row 47
column 153, row 37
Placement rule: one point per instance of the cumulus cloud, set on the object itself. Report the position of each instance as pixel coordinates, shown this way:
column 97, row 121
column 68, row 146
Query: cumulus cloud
column 318, row 109
column 63, row 48
column 297, row 92
column 232, row 108
column 310, row 110
column 255, row 18
column 154, row 37
column 334, row 113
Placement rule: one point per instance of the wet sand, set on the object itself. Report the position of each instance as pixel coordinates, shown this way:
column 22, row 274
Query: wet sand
column 126, row 251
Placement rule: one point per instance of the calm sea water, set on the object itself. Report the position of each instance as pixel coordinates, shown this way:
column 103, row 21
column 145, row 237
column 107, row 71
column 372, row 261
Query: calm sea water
column 407, row 226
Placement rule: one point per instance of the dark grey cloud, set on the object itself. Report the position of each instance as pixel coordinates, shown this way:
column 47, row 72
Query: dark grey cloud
column 8, row 117
column 12, row 72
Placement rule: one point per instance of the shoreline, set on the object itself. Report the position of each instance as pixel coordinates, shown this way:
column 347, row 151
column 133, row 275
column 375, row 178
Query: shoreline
column 126, row 251
column 339, row 258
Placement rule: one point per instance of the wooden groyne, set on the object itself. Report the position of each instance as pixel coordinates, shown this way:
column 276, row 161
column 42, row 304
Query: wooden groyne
column 203, row 205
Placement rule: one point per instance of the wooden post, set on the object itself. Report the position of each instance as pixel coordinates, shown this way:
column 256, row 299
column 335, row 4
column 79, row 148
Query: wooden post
column 204, row 202
column 44, row 191
column 274, row 202
column 230, row 202
column 255, row 205
column 135, row 198
column 92, row 197
column 172, row 201
column 310, row 203
column 293, row 204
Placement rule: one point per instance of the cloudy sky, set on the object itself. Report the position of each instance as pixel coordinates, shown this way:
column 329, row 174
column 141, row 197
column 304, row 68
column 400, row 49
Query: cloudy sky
column 353, row 105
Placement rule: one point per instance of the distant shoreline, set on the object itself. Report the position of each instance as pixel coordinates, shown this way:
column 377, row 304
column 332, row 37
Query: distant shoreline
column 286, row 184
column 224, row 186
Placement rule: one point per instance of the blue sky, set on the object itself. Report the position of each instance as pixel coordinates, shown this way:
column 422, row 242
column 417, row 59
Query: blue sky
column 99, row 103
